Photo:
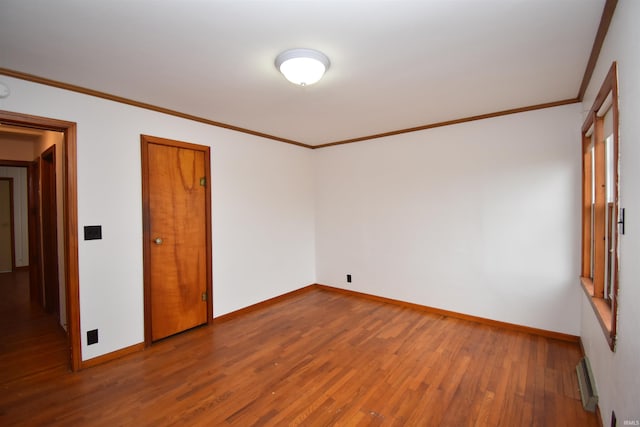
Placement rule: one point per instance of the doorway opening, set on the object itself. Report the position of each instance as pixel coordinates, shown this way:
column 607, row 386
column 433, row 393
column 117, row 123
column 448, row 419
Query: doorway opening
column 43, row 169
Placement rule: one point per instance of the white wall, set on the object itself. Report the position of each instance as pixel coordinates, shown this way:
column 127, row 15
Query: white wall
column 618, row 374
column 19, row 149
column 477, row 218
column 262, row 213
column 20, row 211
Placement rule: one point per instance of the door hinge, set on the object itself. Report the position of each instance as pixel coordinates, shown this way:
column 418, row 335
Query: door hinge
column 204, row 296
column 203, row 181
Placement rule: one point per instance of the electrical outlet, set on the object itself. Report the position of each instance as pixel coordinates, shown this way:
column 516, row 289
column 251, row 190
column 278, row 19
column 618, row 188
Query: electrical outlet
column 348, row 278
column 92, row 336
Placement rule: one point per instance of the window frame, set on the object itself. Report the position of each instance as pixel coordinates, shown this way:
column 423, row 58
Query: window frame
column 595, row 207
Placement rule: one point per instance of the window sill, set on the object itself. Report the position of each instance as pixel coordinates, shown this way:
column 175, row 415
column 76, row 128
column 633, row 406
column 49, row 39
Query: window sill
column 602, row 311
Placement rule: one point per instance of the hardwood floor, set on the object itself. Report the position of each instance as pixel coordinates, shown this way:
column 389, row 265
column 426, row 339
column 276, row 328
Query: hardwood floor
column 31, row 341
column 318, row 358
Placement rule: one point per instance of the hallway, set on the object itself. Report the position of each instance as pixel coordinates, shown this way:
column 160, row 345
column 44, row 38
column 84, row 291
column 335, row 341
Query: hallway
column 31, row 341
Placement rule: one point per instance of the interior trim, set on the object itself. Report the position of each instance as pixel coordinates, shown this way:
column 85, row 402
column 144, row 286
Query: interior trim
column 603, row 28
column 433, row 310
column 453, row 122
column 108, row 357
column 103, row 95
column 261, row 304
column 144, row 105
column 503, row 325
column 601, row 309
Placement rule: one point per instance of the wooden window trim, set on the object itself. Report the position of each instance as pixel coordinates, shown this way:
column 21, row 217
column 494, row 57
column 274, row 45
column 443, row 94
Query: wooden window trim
column 602, row 310
column 605, row 312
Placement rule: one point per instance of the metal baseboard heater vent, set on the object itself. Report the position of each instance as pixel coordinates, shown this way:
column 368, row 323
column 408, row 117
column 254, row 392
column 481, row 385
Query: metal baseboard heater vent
column 587, row 385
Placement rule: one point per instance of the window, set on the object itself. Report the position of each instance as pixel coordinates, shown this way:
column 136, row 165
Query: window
column 600, row 212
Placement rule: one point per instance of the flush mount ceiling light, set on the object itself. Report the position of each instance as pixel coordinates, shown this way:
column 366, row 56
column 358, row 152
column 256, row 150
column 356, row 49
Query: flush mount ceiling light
column 302, row 66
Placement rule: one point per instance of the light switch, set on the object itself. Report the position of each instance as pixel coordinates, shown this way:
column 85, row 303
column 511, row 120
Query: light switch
column 92, row 232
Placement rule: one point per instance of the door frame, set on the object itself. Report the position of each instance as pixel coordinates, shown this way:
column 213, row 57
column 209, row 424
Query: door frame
column 12, row 236
column 70, row 201
column 145, row 141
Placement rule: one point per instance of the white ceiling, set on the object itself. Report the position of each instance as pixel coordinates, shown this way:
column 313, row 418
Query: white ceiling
column 395, row 64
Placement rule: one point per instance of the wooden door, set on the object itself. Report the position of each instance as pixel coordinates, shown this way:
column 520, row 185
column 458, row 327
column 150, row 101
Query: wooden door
column 35, row 233
column 7, row 253
column 49, row 231
column 177, row 236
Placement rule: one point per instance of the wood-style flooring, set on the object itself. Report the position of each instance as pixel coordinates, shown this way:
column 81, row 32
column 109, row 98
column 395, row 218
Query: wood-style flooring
column 316, row 358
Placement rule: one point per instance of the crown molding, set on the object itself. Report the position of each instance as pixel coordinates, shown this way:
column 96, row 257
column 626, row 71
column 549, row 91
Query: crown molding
column 452, row 122
column 144, row 105
column 603, row 28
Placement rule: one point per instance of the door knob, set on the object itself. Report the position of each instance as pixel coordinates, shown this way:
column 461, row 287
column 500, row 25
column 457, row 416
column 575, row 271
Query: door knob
column 157, row 241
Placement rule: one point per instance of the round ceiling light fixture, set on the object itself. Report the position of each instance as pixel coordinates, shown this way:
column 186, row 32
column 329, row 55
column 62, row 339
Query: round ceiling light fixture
column 302, row 67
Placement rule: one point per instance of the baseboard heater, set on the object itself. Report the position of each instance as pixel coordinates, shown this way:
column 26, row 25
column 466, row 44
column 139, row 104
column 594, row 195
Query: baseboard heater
column 587, row 385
